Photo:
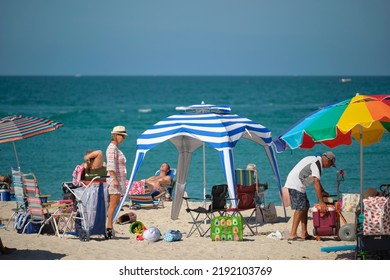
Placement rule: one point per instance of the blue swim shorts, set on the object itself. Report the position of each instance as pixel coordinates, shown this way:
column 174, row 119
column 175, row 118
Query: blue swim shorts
column 299, row 201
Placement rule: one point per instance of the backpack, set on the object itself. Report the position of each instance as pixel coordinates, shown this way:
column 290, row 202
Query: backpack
column 77, row 175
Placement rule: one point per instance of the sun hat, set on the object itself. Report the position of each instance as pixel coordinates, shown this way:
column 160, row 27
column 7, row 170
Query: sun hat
column 331, row 157
column 119, row 130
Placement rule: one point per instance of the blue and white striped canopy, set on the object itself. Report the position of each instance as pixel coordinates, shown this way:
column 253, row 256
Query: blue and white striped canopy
column 219, row 131
column 209, row 124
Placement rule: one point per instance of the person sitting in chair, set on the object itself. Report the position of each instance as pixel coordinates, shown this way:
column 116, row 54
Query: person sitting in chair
column 93, row 160
column 155, row 184
column 5, row 181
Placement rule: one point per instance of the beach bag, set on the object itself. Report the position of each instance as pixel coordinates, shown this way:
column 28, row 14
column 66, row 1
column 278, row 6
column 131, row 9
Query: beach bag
column 226, row 228
column 152, row 234
column 172, row 235
column 127, row 218
column 269, row 213
column 21, row 220
column 376, row 216
column 350, row 202
column 33, row 228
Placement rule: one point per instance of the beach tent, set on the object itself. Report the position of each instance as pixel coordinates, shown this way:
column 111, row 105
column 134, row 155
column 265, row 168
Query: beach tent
column 213, row 125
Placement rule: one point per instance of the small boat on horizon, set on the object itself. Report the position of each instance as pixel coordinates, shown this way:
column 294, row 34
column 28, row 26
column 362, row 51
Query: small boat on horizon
column 144, row 110
column 345, row 80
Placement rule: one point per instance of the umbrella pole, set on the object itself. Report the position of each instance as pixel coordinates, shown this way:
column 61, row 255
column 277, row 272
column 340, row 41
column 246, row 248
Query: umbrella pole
column 16, row 155
column 361, row 166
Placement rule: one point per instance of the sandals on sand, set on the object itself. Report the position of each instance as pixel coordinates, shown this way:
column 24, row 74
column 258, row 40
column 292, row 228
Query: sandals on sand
column 308, row 237
column 298, row 238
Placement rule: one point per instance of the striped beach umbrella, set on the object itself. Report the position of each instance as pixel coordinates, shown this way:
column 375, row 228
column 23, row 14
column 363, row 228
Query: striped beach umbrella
column 202, row 124
column 15, row 128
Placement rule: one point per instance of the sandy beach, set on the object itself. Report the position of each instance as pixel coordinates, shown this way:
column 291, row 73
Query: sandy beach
column 126, row 247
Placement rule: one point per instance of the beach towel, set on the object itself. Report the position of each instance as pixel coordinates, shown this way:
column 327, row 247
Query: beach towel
column 138, row 187
column 77, row 175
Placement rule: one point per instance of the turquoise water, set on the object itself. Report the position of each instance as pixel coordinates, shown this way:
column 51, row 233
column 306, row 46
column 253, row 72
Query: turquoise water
column 89, row 107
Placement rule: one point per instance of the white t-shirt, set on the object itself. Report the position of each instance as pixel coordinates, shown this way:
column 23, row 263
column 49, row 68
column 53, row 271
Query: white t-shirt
column 302, row 174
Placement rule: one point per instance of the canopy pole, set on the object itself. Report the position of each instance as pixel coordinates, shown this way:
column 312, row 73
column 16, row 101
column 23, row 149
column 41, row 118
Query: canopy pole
column 16, row 155
column 204, row 174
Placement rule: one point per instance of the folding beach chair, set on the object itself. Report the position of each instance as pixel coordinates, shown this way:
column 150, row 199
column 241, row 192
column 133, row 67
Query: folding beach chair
column 147, row 200
column 250, row 196
column 201, row 216
column 31, row 188
column 39, row 217
column 152, row 200
column 20, row 198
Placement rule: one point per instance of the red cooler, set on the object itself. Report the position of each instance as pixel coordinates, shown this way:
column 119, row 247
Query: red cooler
column 325, row 224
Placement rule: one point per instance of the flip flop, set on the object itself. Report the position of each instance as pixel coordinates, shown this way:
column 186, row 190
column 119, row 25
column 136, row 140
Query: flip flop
column 308, row 237
column 295, row 238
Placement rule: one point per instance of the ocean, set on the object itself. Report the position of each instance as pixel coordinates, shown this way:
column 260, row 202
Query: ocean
column 89, row 107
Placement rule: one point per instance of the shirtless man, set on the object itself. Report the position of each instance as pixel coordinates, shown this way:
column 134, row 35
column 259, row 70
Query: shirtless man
column 158, row 182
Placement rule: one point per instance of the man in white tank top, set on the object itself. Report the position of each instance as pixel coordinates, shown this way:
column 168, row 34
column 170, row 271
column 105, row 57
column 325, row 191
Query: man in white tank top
column 305, row 173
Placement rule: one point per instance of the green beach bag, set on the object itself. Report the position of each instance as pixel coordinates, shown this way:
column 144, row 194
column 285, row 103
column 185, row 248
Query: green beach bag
column 226, row 228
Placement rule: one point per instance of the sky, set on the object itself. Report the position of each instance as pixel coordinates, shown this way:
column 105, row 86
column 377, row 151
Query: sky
column 195, row 37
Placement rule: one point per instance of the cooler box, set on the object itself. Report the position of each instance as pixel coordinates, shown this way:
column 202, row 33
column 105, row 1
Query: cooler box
column 5, row 195
column 325, row 224
column 226, row 228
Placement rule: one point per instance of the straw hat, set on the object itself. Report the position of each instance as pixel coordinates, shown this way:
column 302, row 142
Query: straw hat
column 119, row 130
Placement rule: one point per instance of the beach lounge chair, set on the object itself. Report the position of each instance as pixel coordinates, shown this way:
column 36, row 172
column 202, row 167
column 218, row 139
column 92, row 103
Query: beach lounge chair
column 147, row 200
column 20, row 198
column 201, row 216
column 39, row 217
column 152, row 200
column 31, row 188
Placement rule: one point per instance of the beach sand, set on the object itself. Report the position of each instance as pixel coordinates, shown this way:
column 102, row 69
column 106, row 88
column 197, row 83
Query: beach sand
column 126, row 247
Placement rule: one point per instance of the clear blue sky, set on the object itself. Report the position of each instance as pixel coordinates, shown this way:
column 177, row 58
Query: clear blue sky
column 195, row 37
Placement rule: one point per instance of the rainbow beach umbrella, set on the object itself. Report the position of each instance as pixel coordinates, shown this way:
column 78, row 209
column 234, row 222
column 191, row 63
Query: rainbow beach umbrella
column 14, row 128
column 363, row 117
